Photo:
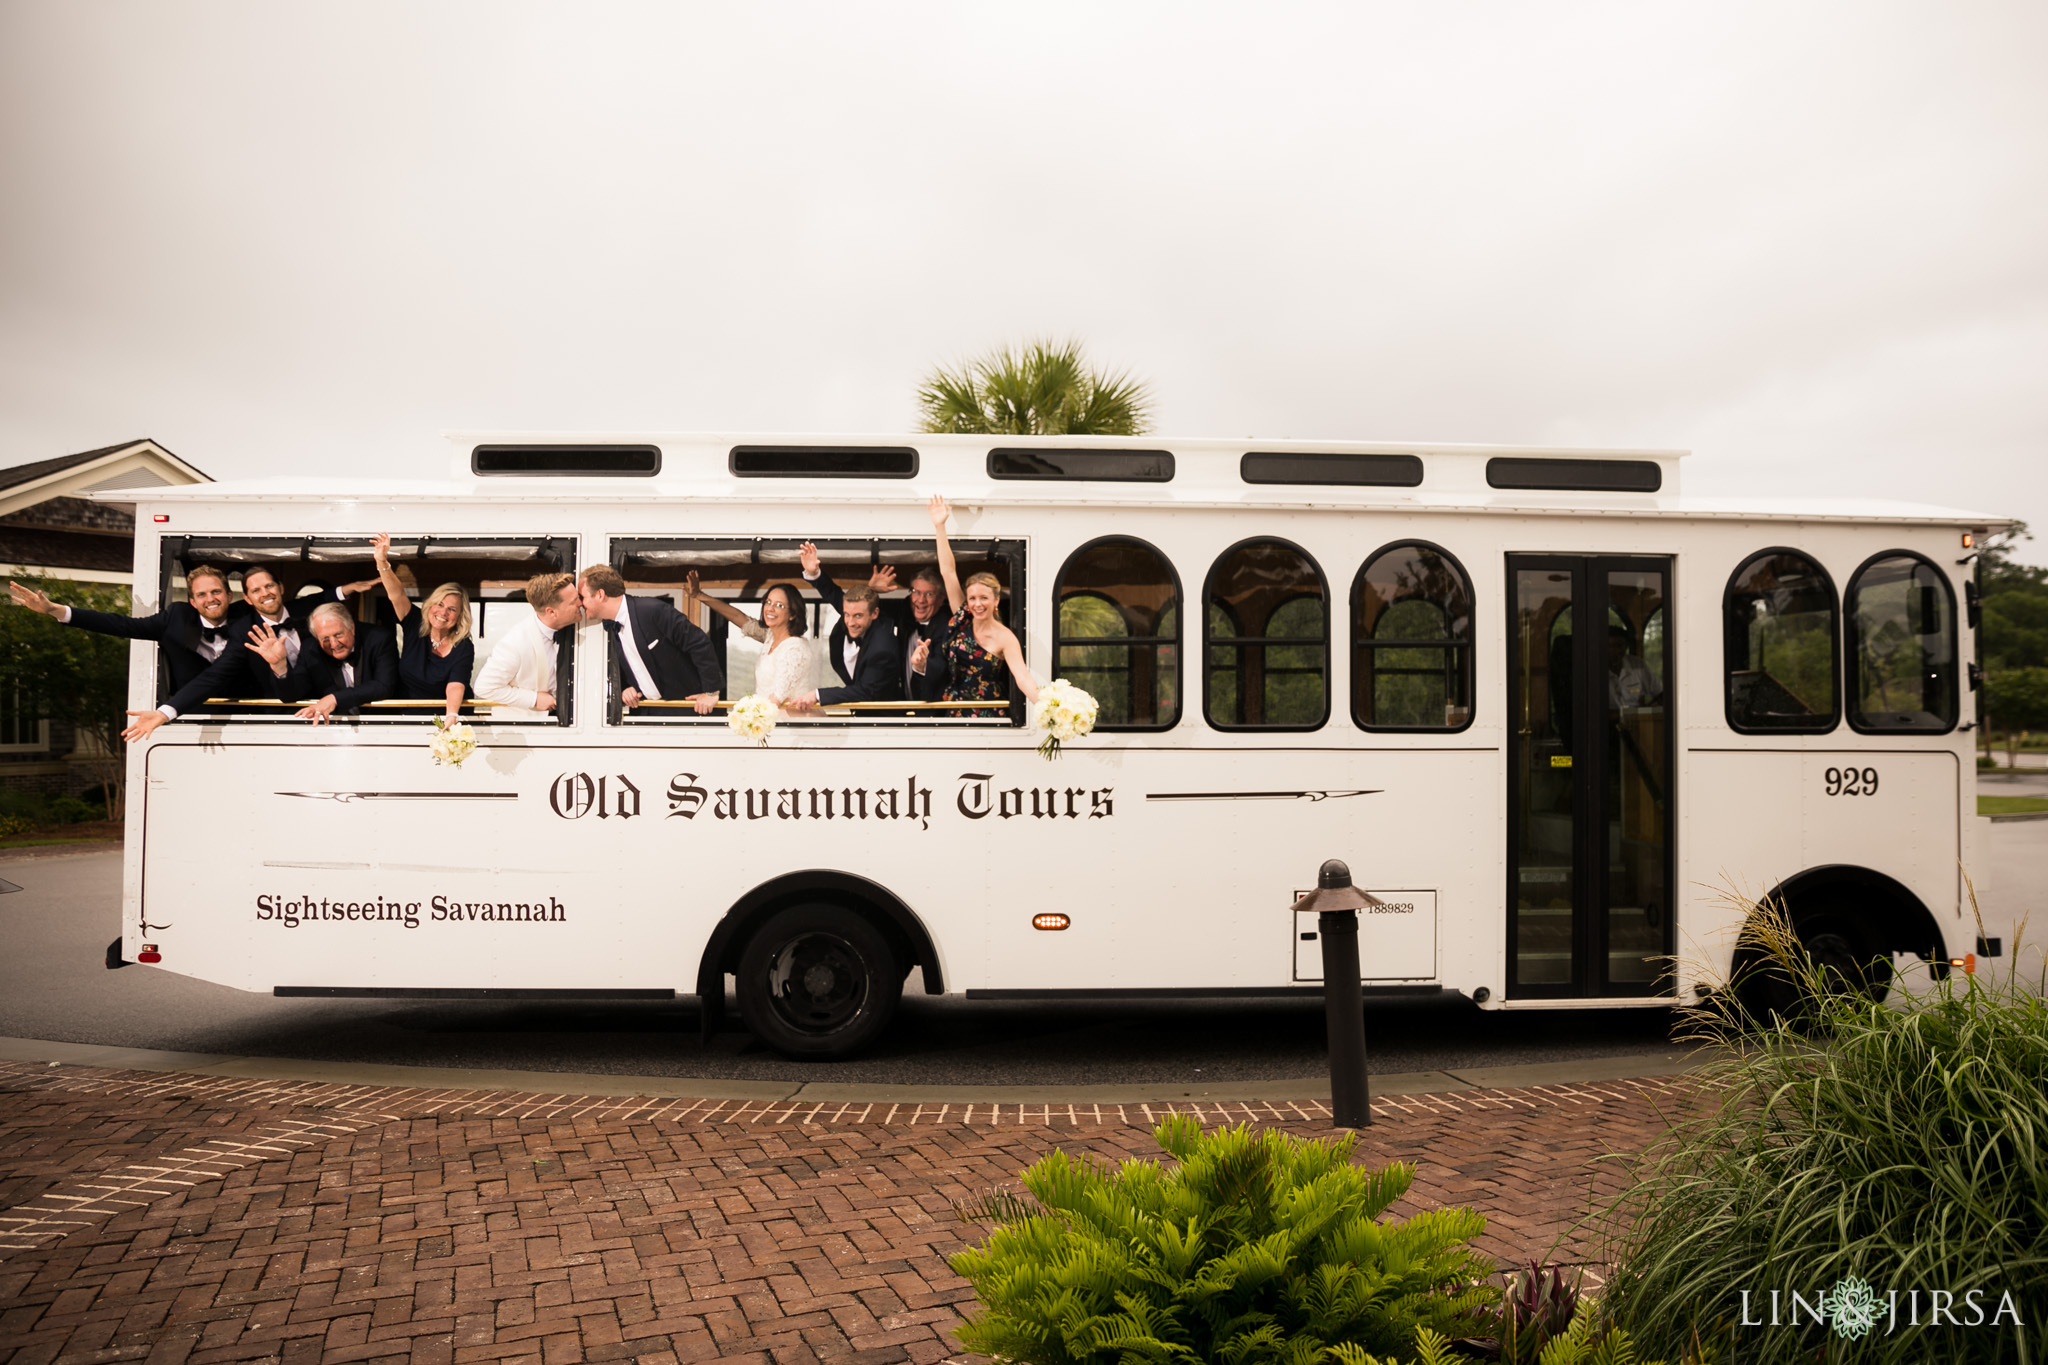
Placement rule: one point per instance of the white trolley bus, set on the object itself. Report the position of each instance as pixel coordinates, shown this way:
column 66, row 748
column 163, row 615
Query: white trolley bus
column 1542, row 703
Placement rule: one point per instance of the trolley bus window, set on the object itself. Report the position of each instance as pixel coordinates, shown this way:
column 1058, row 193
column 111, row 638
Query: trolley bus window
column 1411, row 617
column 1267, row 639
column 1118, row 634
column 1781, row 621
column 1902, row 646
column 492, row 570
column 737, row 572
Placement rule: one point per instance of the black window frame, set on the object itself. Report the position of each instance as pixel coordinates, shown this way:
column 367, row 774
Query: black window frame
column 478, row 455
column 1564, row 474
column 226, row 551
column 738, row 454
column 1179, row 641
column 1728, row 624
column 998, row 453
column 1470, row 644
column 1409, row 464
column 1241, row 641
column 1851, row 651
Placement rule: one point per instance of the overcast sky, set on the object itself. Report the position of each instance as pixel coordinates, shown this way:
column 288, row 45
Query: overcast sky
column 1808, row 242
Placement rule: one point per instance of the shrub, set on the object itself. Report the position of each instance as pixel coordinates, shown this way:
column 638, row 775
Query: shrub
column 1859, row 1146
column 69, row 810
column 1255, row 1248
column 14, row 826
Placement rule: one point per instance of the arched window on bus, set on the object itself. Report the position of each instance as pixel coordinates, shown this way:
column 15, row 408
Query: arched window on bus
column 1781, row 623
column 1902, row 646
column 1118, row 632
column 1411, row 640
column 1267, row 639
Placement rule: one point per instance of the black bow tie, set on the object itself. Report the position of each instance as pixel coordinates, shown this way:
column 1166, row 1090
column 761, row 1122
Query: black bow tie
column 213, row 632
column 611, row 627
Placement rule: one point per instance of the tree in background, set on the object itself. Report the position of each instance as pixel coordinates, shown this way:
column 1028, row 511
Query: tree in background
column 58, row 673
column 2015, row 640
column 1047, row 389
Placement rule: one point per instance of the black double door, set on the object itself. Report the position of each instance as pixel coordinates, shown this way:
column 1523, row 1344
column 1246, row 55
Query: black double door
column 1589, row 771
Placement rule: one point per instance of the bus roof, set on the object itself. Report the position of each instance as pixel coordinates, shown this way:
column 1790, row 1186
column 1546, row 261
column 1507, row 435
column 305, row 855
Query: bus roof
column 518, row 467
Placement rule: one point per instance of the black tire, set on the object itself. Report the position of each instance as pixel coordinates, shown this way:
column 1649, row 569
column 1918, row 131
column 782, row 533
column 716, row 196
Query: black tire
column 818, row 981
column 1845, row 959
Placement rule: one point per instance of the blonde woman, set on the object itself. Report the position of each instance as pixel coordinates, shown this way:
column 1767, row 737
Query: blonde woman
column 437, row 659
column 787, row 668
column 981, row 653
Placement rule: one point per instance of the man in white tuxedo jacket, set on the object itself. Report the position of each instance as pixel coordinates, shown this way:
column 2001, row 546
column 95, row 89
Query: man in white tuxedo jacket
column 520, row 673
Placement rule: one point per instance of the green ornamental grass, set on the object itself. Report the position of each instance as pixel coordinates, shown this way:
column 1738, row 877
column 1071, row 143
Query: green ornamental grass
column 1860, row 1149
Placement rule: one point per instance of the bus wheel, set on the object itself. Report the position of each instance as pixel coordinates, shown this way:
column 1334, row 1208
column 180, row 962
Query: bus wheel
column 817, row 981
column 1842, row 959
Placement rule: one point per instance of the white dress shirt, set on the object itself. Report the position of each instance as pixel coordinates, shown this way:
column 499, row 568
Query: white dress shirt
column 641, row 680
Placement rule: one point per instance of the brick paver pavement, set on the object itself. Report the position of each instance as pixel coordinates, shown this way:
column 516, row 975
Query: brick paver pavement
column 187, row 1220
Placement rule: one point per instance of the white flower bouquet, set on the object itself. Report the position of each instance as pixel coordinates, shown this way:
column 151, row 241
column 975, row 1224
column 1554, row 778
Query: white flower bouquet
column 452, row 743
column 752, row 717
column 1063, row 712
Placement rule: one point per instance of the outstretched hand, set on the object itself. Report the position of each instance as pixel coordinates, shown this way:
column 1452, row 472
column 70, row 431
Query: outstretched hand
column 937, row 507
column 690, row 593
column 145, row 721
column 31, row 598
column 883, row 579
column 807, row 555
column 267, row 642
column 380, row 546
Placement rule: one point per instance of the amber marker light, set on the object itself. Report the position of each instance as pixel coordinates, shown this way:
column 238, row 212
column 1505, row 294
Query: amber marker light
column 1969, row 541
column 1968, row 962
column 1050, row 920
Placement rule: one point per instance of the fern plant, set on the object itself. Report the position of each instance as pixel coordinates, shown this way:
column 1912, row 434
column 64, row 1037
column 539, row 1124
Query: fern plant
column 1255, row 1248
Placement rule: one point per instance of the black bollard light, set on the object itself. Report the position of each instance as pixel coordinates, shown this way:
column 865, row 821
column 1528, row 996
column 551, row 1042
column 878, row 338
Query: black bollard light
column 1337, row 903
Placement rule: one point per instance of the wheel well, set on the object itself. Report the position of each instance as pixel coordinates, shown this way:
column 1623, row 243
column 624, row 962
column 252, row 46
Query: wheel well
column 906, row 933
column 1896, row 920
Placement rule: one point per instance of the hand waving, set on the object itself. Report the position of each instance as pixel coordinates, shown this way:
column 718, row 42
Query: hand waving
column 807, row 553
column 940, row 512
column 268, row 643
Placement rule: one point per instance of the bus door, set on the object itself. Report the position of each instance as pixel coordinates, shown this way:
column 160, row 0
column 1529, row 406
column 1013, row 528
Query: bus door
column 1590, row 895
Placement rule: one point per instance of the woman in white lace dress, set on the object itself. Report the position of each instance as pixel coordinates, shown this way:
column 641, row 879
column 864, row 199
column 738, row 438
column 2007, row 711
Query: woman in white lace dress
column 787, row 668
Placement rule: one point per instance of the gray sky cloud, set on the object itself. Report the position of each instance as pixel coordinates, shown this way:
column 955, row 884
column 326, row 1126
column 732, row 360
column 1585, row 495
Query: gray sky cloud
column 1802, row 241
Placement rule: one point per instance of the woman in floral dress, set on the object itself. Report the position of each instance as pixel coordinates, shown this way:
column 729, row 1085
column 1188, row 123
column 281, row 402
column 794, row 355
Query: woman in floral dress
column 982, row 654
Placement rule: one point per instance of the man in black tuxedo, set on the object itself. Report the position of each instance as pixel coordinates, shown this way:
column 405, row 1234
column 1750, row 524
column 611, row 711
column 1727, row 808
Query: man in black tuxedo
column 658, row 653
column 907, row 622
column 194, row 635
column 865, row 654
column 348, row 667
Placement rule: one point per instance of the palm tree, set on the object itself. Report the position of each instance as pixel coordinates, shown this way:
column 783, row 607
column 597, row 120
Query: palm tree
column 1046, row 390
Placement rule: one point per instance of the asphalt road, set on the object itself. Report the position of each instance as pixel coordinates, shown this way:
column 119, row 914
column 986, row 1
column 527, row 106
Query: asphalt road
column 53, row 987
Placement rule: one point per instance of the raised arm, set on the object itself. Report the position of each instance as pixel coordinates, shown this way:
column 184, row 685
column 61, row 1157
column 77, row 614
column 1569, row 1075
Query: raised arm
column 725, row 609
column 1013, row 655
column 393, row 589
column 955, row 598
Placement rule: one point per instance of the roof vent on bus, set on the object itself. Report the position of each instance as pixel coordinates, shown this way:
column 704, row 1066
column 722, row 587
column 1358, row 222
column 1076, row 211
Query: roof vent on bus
column 1102, row 466
column 1325, row 467
column 1574, row 476
column 823, row 462
column 605, row 461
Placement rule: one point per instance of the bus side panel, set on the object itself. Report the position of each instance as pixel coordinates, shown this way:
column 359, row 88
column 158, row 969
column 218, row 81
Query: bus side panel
column 1755, row 818
column 1210, row 850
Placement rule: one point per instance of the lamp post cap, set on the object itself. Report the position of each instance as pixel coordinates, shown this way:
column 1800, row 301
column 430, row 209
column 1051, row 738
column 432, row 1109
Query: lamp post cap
column 1335, row 874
